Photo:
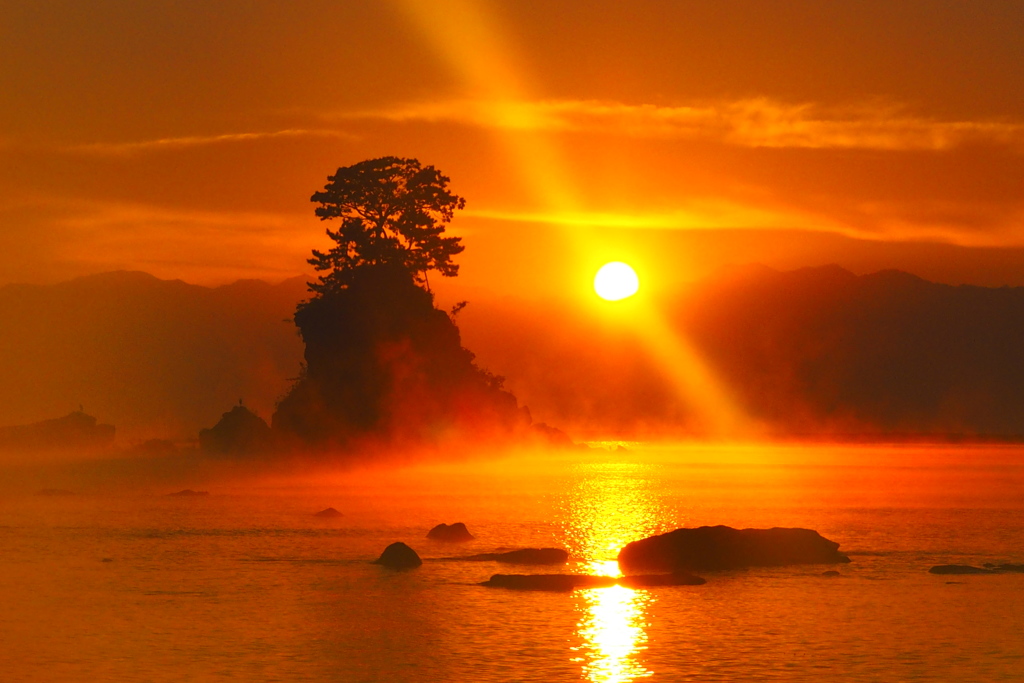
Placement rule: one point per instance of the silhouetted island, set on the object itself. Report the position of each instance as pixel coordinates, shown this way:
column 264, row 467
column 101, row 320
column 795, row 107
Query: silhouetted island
column 722, row 547
column 383, row 365
column 75, row 431
column 239, row 432
column 450, row 533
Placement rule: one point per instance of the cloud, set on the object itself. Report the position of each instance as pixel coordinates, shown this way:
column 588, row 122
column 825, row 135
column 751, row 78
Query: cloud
column 173, row 143
column 758, row 122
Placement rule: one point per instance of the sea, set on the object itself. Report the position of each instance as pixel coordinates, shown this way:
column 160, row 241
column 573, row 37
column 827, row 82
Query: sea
column 247, row 584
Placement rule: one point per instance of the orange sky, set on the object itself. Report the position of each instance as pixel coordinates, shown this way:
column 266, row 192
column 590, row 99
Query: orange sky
column 185, row 138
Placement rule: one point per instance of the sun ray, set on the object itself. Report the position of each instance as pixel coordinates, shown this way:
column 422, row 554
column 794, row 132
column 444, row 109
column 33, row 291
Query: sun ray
column 469, row 40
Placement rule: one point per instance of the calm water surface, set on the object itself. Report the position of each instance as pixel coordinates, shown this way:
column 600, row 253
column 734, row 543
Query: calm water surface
column 246, row 585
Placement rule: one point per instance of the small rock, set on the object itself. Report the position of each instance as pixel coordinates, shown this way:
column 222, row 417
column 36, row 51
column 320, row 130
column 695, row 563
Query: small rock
column 189, row 492
column 450, row 533
column 831, row 572
column 329, row 512
column 399, row 556
column 107, row 559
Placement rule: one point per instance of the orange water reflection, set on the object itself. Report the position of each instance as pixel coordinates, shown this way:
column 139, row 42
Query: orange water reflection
column 609, row 505
column 612, row 629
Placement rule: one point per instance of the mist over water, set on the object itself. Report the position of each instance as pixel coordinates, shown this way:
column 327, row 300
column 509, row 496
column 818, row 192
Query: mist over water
column 246, row 583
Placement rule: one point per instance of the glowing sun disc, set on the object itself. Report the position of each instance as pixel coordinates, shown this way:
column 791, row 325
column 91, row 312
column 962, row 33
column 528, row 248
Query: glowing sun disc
column 616, row 280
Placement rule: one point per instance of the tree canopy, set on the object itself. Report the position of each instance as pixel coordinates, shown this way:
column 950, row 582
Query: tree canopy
column 393, row 211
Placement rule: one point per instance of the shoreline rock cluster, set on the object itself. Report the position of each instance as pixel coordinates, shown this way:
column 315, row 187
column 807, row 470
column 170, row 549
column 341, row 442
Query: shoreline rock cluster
column 663, row 560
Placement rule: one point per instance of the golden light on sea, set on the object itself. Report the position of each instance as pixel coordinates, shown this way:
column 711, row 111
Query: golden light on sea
column 610, row 505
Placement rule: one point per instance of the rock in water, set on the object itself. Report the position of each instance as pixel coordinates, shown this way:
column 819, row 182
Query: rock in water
column 450, row 533
column 568, row 582
column 959, row 569
column 652, row 580
column 189, row 492
column 548, row 582
column 524, row 556
column 722, row 547
column 329, row 512
column 399, row 556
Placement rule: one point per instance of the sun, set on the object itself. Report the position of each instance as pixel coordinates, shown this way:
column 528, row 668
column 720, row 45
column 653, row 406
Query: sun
column 615, row 281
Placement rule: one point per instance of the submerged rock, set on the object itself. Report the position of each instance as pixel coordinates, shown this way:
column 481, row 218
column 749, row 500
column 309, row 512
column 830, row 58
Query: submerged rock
column 524, row 556
column 958, row 569
column 548, row 582
column 569, row 582
column 650, row 580
column 399, row 556
column 189, row 492
column 722, row 547
column 450, row 533
column 831, row 573
column 329, row 512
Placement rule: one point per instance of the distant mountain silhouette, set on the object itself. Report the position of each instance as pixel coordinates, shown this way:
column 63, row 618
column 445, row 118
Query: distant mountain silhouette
column 73, row 432
column 823, row 350
column 156, row 358
column 817, row 351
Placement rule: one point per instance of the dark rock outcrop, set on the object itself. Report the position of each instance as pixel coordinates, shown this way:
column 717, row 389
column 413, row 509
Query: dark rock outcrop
column 722, row 547
column 524, row 556
column 328, row 513
column 239, row 432
column 569, row 582
column 382, row 362
column 450, row 533
column 399, row 556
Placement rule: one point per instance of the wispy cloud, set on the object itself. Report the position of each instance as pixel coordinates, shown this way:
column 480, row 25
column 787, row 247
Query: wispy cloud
column 692, row 214
column 187, row 141
column 759, row 122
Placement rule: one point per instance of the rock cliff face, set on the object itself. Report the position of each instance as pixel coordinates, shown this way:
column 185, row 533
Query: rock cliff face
column 381, row 360
column 722, row 547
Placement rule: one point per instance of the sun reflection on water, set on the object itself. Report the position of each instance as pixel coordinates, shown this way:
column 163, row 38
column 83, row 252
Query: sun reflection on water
column 608, row 506
column 612, row 629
